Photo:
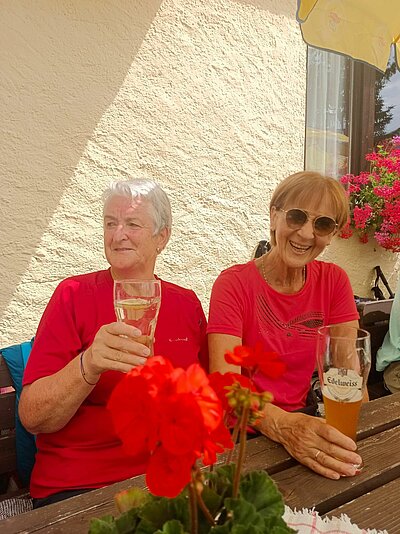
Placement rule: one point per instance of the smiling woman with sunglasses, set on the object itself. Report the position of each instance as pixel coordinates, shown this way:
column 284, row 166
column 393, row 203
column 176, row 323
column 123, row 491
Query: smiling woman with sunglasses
column 280, row 300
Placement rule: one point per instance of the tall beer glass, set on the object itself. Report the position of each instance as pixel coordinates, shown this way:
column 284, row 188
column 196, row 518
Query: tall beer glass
column 344, row 361
column 137, row 303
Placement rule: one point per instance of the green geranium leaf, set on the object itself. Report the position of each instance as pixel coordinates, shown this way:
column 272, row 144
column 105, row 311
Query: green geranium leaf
column 221, row 529
column 103, row 525
column 158, row 511
column 226, row 472
column 127, row 522
column 131, row 498
column 212, row 500
column 248, row 529
column 213, row 503
column 145, row 527
column 244, row 513
column 276, row 525
column 221, row 479
column 172, row 527
column 260, row 490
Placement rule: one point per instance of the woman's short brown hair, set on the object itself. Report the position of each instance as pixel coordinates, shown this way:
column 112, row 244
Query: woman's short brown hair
column 302, row 188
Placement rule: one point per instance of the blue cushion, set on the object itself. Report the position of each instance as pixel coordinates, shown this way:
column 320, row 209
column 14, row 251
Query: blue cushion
column 16, row 358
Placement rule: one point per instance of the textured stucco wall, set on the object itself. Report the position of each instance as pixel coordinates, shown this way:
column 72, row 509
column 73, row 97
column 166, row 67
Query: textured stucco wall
column 205, row 96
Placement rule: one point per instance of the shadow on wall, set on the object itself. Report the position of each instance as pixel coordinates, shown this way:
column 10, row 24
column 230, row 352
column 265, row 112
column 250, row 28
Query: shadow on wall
column 62, row 65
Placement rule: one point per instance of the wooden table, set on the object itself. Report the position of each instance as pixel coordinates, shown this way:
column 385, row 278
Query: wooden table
column 371, row 499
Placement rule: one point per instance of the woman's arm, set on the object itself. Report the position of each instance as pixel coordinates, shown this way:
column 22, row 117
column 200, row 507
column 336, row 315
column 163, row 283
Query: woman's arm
column 218, row 344
column 49, row 403
column 301, row 435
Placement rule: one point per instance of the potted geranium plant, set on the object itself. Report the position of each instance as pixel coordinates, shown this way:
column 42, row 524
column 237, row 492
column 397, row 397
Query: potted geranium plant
column 375, row 198
column 179, row 418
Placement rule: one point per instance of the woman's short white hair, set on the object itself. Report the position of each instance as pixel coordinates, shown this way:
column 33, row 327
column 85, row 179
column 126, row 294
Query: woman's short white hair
column 160, row 207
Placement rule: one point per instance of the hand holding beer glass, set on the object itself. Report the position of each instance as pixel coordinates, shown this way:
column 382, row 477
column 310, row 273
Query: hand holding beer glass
column 344, row 361
column 137, row 303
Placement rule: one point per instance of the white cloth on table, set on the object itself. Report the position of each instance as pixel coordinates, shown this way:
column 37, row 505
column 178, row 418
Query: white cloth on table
column 309, row 522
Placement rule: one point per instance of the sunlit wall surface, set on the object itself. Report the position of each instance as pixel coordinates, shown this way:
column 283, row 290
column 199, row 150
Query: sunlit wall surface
column 207, row 97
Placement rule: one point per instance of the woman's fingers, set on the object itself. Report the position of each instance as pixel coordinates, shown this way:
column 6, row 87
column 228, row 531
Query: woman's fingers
column 115, row 348
column 121, row 329
column 330, row 467
column 124, row 344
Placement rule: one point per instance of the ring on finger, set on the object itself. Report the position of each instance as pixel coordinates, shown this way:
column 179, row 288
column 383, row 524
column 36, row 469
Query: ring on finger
column 316, row 455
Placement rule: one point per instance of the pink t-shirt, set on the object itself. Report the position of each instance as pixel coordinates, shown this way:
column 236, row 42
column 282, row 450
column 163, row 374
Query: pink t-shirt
column 243, row 305
column 86, row 453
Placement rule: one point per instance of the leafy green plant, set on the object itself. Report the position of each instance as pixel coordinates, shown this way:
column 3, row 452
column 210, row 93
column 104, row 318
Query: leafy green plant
column 258, row 509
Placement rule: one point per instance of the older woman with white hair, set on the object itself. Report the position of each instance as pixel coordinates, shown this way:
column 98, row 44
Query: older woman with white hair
column 81, row 352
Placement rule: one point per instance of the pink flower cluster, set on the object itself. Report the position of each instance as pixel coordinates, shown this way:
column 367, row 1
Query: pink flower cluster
column 375, row 198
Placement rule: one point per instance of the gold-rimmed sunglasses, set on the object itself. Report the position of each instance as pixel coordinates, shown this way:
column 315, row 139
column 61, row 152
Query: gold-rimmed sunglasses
column 296, row 218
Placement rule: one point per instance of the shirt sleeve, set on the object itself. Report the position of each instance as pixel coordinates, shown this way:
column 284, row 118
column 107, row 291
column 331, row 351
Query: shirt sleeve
column 343, row 307
column 390, row 350
column 226, row 306
column 57, row 340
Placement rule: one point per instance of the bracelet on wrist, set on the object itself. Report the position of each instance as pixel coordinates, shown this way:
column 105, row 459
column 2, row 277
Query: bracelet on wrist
column 83, row 371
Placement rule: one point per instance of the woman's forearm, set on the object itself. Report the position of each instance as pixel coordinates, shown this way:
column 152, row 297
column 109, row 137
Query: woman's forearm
column 272, row 422
column 49, row 403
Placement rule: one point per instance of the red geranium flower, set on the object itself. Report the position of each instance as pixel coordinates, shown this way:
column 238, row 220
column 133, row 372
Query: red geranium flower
column 179, row 414
column 268, row 363
column 218, row 441
column 172, row 414
column 221, row 382
column 195, row 381
column 157, row 371
column 133, row 413
column 168, row 474
column 241, row 355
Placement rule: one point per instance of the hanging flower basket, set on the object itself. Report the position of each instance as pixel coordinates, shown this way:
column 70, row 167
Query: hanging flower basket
column 375, row 198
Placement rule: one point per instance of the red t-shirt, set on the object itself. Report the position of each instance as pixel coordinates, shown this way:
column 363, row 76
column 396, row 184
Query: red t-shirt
column 243, row 305
column 86, row 453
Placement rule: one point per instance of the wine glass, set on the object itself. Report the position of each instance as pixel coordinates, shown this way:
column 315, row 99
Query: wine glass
column 137, row 303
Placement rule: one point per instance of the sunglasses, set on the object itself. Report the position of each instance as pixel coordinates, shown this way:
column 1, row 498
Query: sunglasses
column 297, row 218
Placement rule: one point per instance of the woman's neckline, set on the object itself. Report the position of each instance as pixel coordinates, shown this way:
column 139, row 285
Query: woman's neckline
column 280, row 288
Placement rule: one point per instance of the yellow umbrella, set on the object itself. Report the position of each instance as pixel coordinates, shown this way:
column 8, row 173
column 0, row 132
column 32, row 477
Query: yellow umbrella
column 361, row 29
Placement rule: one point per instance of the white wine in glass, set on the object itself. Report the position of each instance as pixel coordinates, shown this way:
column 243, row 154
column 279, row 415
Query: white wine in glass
column 137, row 303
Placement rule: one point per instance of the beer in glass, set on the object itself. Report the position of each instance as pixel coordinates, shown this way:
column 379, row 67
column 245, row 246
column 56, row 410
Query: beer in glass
column 343, row 361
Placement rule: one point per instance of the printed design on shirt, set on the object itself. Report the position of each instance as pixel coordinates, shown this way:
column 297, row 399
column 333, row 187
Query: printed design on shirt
column 304, row 325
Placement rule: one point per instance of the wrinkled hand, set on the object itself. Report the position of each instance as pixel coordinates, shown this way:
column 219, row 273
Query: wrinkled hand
column 115, row 347
column 319, row 446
